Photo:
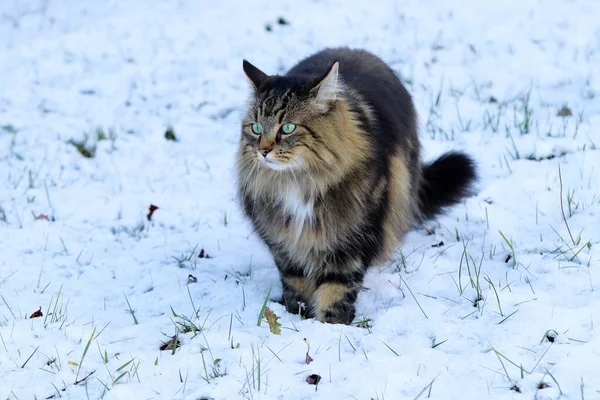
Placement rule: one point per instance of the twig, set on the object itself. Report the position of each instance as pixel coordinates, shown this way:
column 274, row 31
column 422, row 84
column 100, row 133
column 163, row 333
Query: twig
column 84, row 378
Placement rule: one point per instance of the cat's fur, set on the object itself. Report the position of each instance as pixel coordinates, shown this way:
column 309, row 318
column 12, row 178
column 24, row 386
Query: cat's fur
column 338, row 193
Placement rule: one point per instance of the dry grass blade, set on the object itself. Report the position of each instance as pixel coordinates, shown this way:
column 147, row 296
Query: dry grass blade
column 562, row 208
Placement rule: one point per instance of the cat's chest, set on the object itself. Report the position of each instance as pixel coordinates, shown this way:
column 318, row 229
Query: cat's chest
column 297, row 208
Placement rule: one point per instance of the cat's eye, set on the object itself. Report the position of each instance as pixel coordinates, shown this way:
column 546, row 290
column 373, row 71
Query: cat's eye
column 256, row 128
column 288, row 128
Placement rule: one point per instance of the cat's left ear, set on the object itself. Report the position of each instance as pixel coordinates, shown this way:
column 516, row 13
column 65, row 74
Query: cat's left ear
column 328, row 87
column 255, row 75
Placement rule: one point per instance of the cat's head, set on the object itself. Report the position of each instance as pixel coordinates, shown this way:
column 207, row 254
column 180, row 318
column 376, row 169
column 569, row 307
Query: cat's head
column 291, row 122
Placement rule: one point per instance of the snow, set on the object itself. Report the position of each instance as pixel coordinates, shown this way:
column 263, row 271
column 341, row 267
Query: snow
column 133, row 69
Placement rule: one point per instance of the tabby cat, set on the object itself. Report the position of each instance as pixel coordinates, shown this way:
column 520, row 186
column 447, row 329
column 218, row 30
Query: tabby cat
column 329, row 173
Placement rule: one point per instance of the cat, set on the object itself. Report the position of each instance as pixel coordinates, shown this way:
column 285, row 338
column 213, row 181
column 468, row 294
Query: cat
column 329, row 174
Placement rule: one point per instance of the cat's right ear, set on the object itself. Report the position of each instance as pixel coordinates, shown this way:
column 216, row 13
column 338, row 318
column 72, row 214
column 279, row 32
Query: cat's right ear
column 254, row 75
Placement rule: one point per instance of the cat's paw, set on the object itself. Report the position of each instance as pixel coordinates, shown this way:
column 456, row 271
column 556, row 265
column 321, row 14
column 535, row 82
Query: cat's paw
column 340, row 315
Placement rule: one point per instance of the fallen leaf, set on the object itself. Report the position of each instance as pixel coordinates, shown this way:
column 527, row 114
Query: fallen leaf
column 170, row 344
column 192, row 279
column 551, row 336
column 37, row 314
column 274, row 326
column 313, row 379
column 564, row 112
column 42, row 216
column 170, row 135
column 308, row 358
column 203, row 254
column 151, row 211
column 516, row 388
column 440, row 244
column 543, row 385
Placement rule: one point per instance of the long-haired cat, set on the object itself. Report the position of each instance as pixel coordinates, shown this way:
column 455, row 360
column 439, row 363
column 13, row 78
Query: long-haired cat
column 329, row 173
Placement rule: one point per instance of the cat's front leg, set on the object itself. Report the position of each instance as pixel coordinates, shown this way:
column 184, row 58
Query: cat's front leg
column 297, row 289
column 297, row 292
column 337, row 290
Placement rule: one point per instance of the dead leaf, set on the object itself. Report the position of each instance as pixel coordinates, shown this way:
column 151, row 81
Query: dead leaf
column 37, row 314
column 440, row 244
column 564, row 112
column 308, row 358
column 151, row 211
column 313, row 379
column 192, row 279
column 543, row 385
column 42, row 216
column 274, row 326
column 203, row 254
column 551, row 336
column 170, row 135
column 170, row 344
column 516, row 388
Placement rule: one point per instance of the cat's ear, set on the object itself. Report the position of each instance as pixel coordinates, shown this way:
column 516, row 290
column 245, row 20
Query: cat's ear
column 255, row 75
column 328, row 87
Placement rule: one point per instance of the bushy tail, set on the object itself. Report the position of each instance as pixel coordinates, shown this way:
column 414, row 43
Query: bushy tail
column 445, row 182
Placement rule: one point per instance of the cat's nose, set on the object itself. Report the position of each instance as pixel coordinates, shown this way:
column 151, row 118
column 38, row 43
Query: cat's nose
column 265, row 150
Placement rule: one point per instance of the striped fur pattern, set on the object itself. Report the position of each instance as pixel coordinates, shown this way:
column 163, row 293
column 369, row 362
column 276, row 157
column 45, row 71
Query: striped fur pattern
column 338, row 193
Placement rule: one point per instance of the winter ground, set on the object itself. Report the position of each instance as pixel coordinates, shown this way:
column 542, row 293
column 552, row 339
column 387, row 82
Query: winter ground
column 507, row 308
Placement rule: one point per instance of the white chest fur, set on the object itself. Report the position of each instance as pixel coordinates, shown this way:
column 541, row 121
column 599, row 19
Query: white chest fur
column 294, row 204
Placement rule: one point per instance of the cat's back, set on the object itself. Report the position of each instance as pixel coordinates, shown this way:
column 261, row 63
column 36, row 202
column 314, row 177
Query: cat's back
column 372, row 79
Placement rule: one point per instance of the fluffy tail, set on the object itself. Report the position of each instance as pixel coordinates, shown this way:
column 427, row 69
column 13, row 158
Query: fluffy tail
column 445, row 182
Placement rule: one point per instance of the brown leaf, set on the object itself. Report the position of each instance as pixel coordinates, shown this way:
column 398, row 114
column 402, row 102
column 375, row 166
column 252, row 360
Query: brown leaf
column 170, row 344
column 192, row 279
column 564, row 112
column 42, row 216
column 274, row 326
column 542, row 385
column 37, row 314
column 170, row 135
column 308, row 358
column 313, row 379
column 203, row 254
column 151, row 211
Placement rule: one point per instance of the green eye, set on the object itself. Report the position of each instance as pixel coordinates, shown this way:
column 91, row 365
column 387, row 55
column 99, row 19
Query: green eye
column 256, row 128
column 288, row 128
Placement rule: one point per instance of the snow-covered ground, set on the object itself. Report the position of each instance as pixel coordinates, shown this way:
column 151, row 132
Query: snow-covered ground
column 508, row 306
